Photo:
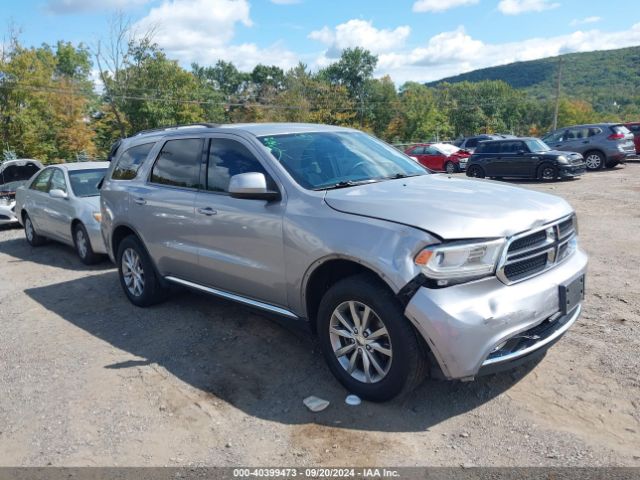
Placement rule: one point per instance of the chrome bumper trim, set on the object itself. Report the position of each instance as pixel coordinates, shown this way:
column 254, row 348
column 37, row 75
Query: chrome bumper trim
column 525, row 351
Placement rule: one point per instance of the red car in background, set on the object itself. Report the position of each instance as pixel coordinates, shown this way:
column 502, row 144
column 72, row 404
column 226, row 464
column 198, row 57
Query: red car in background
column 440, row 157
column 635, row 129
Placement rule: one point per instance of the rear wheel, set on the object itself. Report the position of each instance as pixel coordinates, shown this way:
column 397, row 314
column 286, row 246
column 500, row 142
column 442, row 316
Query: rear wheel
column 475, row 171
column 594, row 160
column 138, row 277
column 451, row 167
column 33, row 238
column 368, row 343
column 83, row 245
column 547, row 172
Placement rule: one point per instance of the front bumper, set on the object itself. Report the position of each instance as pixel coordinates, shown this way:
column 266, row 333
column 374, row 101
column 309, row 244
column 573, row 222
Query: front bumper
column 464, row 324
column 7, row 214
column 570, row 171
column 95, row 236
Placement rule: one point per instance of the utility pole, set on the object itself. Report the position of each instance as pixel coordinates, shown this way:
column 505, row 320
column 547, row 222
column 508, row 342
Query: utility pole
column 555, row 112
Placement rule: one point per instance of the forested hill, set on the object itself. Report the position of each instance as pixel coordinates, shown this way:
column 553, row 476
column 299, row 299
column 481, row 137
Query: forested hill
column 601, row 77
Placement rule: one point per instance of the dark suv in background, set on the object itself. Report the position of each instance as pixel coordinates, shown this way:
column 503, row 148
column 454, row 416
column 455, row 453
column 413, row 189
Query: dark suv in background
column 601, row 145
column 470, row 143
column 524, row 158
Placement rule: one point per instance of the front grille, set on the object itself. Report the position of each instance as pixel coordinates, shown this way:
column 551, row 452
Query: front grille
column 533, row 252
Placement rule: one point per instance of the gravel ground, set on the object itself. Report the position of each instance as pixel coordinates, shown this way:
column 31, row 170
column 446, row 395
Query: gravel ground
column 88, row 379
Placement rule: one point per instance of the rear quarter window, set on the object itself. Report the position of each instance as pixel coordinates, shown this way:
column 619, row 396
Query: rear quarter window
column 130, row 161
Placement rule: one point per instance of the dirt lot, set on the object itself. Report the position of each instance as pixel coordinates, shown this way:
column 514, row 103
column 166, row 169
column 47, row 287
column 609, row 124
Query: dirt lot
column 88, row 379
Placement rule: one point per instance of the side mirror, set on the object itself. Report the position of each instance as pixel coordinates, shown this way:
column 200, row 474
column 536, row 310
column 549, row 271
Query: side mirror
column 251, row 185
column 57, row 193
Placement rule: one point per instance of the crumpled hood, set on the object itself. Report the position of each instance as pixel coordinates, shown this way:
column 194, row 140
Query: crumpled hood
column 451, row 208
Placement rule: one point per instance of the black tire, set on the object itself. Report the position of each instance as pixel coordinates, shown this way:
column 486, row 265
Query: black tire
column 594, row 159
column 475, row 171
column 407, row 364
column 152, row 291
column 30, row 233
column 83, row 245
column 547, row 172
column 451, row 167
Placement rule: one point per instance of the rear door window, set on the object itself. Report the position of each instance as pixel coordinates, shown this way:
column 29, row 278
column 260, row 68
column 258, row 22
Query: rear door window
column 130, row 162
column 471, row 143
column 41, row 182
column 178, row 164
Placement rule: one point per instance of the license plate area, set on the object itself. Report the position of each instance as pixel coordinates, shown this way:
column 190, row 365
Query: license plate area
column 571, row 294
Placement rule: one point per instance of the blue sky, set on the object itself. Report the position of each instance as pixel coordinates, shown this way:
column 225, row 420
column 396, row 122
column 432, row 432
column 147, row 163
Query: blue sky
column 419, row 40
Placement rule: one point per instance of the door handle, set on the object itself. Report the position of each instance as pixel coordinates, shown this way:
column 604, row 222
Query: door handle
column 140, row 201
column 208, row 211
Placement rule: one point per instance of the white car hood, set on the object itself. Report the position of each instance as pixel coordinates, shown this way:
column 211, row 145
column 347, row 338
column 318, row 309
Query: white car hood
column 451, row 208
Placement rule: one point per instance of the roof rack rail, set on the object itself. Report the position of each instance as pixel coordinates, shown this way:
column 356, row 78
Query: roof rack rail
column 176, row 127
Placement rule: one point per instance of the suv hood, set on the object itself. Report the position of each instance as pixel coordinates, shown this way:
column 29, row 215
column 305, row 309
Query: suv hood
column 451, row 208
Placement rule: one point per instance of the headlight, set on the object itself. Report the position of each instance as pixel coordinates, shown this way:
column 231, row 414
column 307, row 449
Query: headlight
column 97, row 216
column 562, row 159
column 453, row 263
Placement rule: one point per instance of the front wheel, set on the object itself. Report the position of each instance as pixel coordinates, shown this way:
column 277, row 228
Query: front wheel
column 368, row 343
column 83, row 245
column 475, row 171
column 32, row 237
column 594, row 160
column 547, row 172
column 137, row 275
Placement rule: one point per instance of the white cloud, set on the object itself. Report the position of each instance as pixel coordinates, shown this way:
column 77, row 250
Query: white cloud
column 203, row 30
column 454, row 52
column 583, row 21
column 440, row 5
column 360, row 33
column 516, row 7
column 82, row 6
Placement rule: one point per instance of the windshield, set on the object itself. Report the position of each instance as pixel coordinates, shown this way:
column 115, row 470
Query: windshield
column 84, row 183
column 446, row 148
column 328, row 159
column 536, row 145
column 12, row 176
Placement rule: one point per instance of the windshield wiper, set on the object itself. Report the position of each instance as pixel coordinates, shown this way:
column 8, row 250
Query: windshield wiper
column 346, row 183
column 401, row 175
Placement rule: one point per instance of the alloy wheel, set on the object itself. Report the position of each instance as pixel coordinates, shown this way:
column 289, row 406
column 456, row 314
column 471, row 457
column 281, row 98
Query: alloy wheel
column 360, row 342
column 28, row 229
column 81, row 243
column 450, row 167
column 593, row 161
column 548, row 173
column 132, row 272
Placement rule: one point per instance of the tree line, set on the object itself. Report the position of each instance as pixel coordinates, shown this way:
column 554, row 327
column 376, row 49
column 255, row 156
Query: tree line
column 52, row 110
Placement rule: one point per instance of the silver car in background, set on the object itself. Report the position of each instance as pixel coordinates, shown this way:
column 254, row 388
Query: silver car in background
column 62, row 203
column 603, row 145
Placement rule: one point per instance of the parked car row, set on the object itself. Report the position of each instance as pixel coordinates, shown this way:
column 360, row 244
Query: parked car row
column 399, row 273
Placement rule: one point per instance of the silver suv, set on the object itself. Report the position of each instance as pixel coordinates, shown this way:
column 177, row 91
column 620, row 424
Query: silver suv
column 398, row 271
column 602, row 145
